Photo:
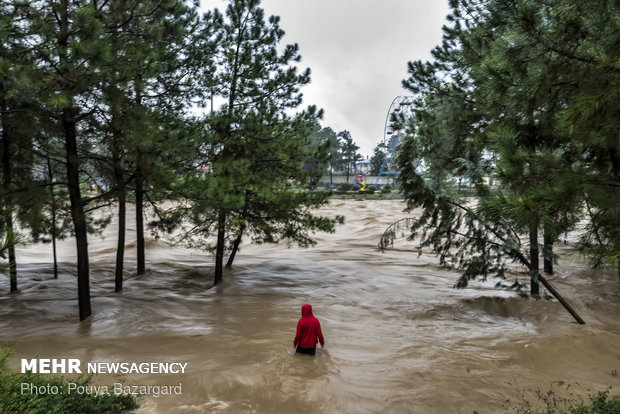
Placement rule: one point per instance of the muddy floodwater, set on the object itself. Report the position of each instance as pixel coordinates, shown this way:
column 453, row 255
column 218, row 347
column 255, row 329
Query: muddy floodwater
column 399, row 337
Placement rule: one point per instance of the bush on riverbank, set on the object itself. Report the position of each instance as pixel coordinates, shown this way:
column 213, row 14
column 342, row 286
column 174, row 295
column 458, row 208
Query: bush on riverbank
column 555, row 403
column 13, row 400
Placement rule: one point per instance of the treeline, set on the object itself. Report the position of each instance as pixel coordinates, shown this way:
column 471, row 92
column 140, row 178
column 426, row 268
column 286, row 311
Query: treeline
column 526, row 94
column 342, row 152
column 96, row 104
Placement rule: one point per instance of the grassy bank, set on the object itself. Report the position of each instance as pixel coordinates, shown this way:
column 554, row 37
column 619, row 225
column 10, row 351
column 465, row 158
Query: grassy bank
column 36, row 393
column 563, row 401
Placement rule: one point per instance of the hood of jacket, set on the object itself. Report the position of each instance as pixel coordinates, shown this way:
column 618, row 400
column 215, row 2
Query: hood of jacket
column 306, row 311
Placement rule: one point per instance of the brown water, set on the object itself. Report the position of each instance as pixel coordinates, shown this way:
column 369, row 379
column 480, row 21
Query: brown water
column 399, row 338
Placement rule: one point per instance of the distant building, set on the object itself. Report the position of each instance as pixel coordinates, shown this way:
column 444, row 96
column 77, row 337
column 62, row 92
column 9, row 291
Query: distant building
column 363, row 166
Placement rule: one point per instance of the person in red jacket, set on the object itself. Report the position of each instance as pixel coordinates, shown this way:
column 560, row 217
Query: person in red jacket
column 308, row 332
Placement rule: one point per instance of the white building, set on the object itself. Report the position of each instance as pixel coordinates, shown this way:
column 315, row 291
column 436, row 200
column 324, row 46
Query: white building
column 363, row 166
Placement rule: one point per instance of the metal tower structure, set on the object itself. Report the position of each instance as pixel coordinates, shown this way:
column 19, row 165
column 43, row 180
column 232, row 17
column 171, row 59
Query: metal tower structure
column 401, row 108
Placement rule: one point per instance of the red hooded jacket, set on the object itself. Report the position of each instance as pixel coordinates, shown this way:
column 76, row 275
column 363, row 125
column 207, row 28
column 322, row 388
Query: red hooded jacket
column 308, row 329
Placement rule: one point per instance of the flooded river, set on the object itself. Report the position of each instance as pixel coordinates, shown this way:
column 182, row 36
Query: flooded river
column 399, row 337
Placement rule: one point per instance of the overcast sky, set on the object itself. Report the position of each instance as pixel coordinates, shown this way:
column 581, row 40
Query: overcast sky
column 357, row 51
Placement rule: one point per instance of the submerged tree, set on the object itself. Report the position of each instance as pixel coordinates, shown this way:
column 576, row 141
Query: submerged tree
column 513, row 74
column 145, row 87
column 560, row 64
column 68, row 43
column 255, row 150
column 11, row 55
column 102, row 71
column 25, row 192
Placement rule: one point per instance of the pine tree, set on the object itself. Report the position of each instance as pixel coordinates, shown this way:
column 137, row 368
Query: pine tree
column 9, row 38
column 21, row 191
column 255, row 149
column 348, row 152
column 329, row 138
column 377, row 159
column 69, row 46
column 500, row 91
column 324, row 142
column 147, row 84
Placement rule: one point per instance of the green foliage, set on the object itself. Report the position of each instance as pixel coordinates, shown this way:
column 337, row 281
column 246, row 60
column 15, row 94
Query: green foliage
column 93, row 98
column 324, row 142
column 94, row 111
column 378, row 156
column 386, row 188
column 11, row 239
column 257, row 149
column 13, row 400
column 495, row 101
column 599, row 404
column 555, row 401
column 347, row 153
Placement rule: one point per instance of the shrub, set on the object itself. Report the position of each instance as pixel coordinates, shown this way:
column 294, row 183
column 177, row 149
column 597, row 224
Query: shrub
column 386, row 188
column 556, row 401
column 12, row 400
column 599, row 404
column 345, row 187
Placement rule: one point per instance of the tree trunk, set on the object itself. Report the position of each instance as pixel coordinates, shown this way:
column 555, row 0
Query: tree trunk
column 140, row 215
column 73, row 173
column 219, row 252
column 11, row 248
column 121, row 193
column 120, row 249
column 139, row 191
column 77, row 213
column 53, row 210
column 547, row 251
column 534, row 287
column 235, row 248
column 559, row 297
column 550, row 288
column 8, row 205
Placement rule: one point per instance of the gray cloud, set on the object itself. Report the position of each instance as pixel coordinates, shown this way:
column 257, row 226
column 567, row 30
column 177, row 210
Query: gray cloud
column 357, row 51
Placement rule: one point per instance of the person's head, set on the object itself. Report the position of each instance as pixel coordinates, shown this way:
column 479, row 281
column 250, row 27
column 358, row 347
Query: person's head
column 306, row 310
